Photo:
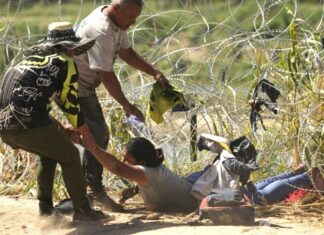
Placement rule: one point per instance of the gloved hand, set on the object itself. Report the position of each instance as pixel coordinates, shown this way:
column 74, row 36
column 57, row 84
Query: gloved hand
column 253, row 166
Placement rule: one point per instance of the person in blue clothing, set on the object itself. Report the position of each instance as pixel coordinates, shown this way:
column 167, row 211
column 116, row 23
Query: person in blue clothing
column 276, row 188
column 47, row 72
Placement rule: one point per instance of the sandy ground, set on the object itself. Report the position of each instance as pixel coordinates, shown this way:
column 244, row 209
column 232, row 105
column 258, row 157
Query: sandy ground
column 20, row 216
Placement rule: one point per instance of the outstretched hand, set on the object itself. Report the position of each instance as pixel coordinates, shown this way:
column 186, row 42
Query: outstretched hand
column 161, row 79
column 253, row 166
column 132, row 110
column 73, row 134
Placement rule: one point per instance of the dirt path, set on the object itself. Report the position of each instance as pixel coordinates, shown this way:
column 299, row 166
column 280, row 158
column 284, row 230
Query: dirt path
column 19, row 216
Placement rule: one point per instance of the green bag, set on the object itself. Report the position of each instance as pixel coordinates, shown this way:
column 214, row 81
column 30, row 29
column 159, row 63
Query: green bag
column 163, row 100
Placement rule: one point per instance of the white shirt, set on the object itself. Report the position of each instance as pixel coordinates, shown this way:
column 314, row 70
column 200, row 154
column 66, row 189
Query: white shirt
column 166, row 191
column 102, row 56
column 217, row 176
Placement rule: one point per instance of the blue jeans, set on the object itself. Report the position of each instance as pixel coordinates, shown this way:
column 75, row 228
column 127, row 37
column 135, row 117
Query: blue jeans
column 193, row 177
column 94, row 117
column 277, row 188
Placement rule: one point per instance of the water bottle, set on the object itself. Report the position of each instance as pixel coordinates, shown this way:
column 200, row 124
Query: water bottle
column 138, row 128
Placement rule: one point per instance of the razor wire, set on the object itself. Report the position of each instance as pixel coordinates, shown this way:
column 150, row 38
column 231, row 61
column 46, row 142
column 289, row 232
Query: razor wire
column 216, row 63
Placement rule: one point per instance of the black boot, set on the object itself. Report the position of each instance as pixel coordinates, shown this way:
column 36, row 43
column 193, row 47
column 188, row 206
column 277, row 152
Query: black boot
column 86, row 214
column 45, row 207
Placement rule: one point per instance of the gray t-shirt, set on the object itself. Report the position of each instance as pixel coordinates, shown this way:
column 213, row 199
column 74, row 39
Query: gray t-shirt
column 167, row 191
column 102, row 56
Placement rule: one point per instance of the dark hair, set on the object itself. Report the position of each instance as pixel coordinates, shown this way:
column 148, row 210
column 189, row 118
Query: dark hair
column 144, row 152
column 139, row 3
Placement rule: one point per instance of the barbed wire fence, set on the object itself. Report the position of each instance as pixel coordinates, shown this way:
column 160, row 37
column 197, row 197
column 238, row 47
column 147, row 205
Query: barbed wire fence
column 216, row 63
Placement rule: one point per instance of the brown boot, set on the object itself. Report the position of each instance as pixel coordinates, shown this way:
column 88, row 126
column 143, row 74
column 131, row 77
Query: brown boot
column 102, row 197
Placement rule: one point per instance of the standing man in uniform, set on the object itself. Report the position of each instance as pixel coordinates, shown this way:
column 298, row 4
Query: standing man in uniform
column 108, row 25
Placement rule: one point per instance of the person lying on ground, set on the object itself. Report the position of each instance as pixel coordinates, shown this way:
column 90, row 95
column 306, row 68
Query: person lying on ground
column 46, row 72
column 160, row 188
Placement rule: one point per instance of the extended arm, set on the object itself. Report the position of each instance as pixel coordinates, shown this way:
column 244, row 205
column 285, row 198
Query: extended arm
column 112, row 85
column 112, row 164
column 136, row 61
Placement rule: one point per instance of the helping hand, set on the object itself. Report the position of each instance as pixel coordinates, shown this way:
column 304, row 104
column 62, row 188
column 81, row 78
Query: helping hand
column 252, row 166
column 73, row 134
column 132, row 110
column 161, row 79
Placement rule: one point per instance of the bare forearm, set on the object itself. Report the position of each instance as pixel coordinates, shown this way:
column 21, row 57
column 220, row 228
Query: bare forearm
column 137, row 62
column 107, row 160
column 113, row 86
column 117, row 167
